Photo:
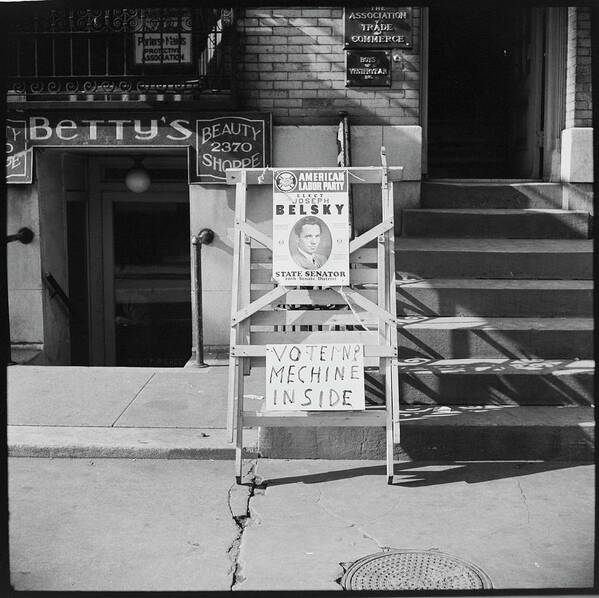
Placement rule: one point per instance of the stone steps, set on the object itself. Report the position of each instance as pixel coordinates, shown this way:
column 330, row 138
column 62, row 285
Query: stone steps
column 433, row 433
column 495, row 332
column 515, row 338
column 489, row 297
column 496, row 223
column 496, row 381
column 485, row 195
column 494, row 258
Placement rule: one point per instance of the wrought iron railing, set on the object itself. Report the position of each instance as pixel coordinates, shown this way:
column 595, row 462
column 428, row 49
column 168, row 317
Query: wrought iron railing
column 115, row 54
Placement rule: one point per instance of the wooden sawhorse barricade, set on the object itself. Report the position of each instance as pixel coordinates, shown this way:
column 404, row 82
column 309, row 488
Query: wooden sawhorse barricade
column 263, row 312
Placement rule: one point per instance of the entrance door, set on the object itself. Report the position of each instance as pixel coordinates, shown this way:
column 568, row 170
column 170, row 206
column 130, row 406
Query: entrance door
column 484, row 92
column 147, row 300
column 526, row 85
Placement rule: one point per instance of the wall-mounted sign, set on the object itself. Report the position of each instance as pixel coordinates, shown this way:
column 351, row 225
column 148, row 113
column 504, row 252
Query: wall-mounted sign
column 162, row 48
column 310, row 227
column 232, row 140
column 378, row 27
column 315, row 377
column 368, row 68
column 19, row 159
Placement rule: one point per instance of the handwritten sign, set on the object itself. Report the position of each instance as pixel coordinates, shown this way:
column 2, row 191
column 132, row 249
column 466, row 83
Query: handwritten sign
column 311, row 227
column 378, row 27
column 231, row 142
column 315, row 377
column 19, row 159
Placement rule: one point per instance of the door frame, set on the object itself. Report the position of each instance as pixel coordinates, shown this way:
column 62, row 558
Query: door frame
column 102, row 194
column 108, row 200
column 556, row 49
column 553, row 91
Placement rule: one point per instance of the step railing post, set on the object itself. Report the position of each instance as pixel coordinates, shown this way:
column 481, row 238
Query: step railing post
column 204, row 237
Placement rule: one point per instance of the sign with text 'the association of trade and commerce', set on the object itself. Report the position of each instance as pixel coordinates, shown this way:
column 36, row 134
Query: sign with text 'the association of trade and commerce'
column 378, row 27
column 311, row 227
column 315, row 377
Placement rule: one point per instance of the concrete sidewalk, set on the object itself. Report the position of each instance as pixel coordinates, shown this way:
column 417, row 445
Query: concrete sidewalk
column 172, row 413
column 141, row 521
column 121, row 412
column 118, row 524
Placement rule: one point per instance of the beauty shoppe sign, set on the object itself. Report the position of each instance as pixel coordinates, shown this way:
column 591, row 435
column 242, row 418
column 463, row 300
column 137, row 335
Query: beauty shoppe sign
column 214, row 142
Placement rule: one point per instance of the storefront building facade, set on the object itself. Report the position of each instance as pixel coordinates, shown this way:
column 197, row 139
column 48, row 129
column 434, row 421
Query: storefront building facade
column 493, row 94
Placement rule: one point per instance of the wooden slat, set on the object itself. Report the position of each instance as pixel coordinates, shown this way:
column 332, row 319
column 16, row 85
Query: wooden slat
column 320, row 317
column 370, row 362
column 244, row 294
column 233, row 421
column 314, row 296
column 260, row 350
column 254, row 233
column 370, row 235
column 357, row 175
column 392, row 308
column 316, row 336
column 369, row 417
column 365, row 255
column 365, row 303
column 265, row 299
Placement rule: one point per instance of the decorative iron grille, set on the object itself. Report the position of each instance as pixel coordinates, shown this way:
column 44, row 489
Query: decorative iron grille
column 116, row 54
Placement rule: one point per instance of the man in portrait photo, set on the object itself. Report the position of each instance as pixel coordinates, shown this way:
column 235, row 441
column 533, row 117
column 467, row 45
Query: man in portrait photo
column 311, row 235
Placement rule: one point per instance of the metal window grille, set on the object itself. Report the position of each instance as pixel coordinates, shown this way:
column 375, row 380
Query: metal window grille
column 116, row 54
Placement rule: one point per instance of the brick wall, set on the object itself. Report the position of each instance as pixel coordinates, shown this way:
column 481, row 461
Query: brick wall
column 578, row 77
column 292, row 63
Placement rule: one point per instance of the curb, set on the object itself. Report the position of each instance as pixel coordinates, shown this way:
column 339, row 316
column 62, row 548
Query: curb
column 125, row 443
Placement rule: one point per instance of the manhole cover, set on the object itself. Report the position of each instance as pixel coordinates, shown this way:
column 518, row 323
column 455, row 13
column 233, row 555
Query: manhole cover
column 414, row 570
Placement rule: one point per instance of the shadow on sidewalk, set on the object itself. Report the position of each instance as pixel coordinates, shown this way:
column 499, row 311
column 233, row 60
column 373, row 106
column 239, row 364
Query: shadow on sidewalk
column 432, row 474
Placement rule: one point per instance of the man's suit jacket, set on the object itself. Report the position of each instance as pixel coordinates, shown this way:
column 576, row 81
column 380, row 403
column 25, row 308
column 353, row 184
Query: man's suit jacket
column 303, row 261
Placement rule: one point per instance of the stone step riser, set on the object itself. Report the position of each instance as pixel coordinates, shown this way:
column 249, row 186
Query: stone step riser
column 474, row 343
column 483, row 389
column 468, row 264
column 515, row 196
column 433, row 443
column 499, row 302
column 532, row 225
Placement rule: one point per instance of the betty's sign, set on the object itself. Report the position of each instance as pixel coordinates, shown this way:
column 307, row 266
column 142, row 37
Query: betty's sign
column 315, row 377
column 225, row 141
column 311, row 227
column 19, row 159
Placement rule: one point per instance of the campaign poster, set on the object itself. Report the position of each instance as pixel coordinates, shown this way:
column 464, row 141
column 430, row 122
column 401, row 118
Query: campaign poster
column 315, row 377
column 311, row 227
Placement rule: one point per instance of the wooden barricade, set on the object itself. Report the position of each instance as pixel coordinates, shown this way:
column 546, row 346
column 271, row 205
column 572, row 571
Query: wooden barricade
column 263, row 312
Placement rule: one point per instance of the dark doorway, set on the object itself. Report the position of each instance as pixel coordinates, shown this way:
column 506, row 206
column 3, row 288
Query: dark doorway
column 78, row 281
column 484, row 92
column 152, row 309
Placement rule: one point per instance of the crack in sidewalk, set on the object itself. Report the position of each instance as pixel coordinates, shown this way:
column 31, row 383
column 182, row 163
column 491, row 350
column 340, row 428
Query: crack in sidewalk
column 525, row 501
column 241, row 522
column 349, row 523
